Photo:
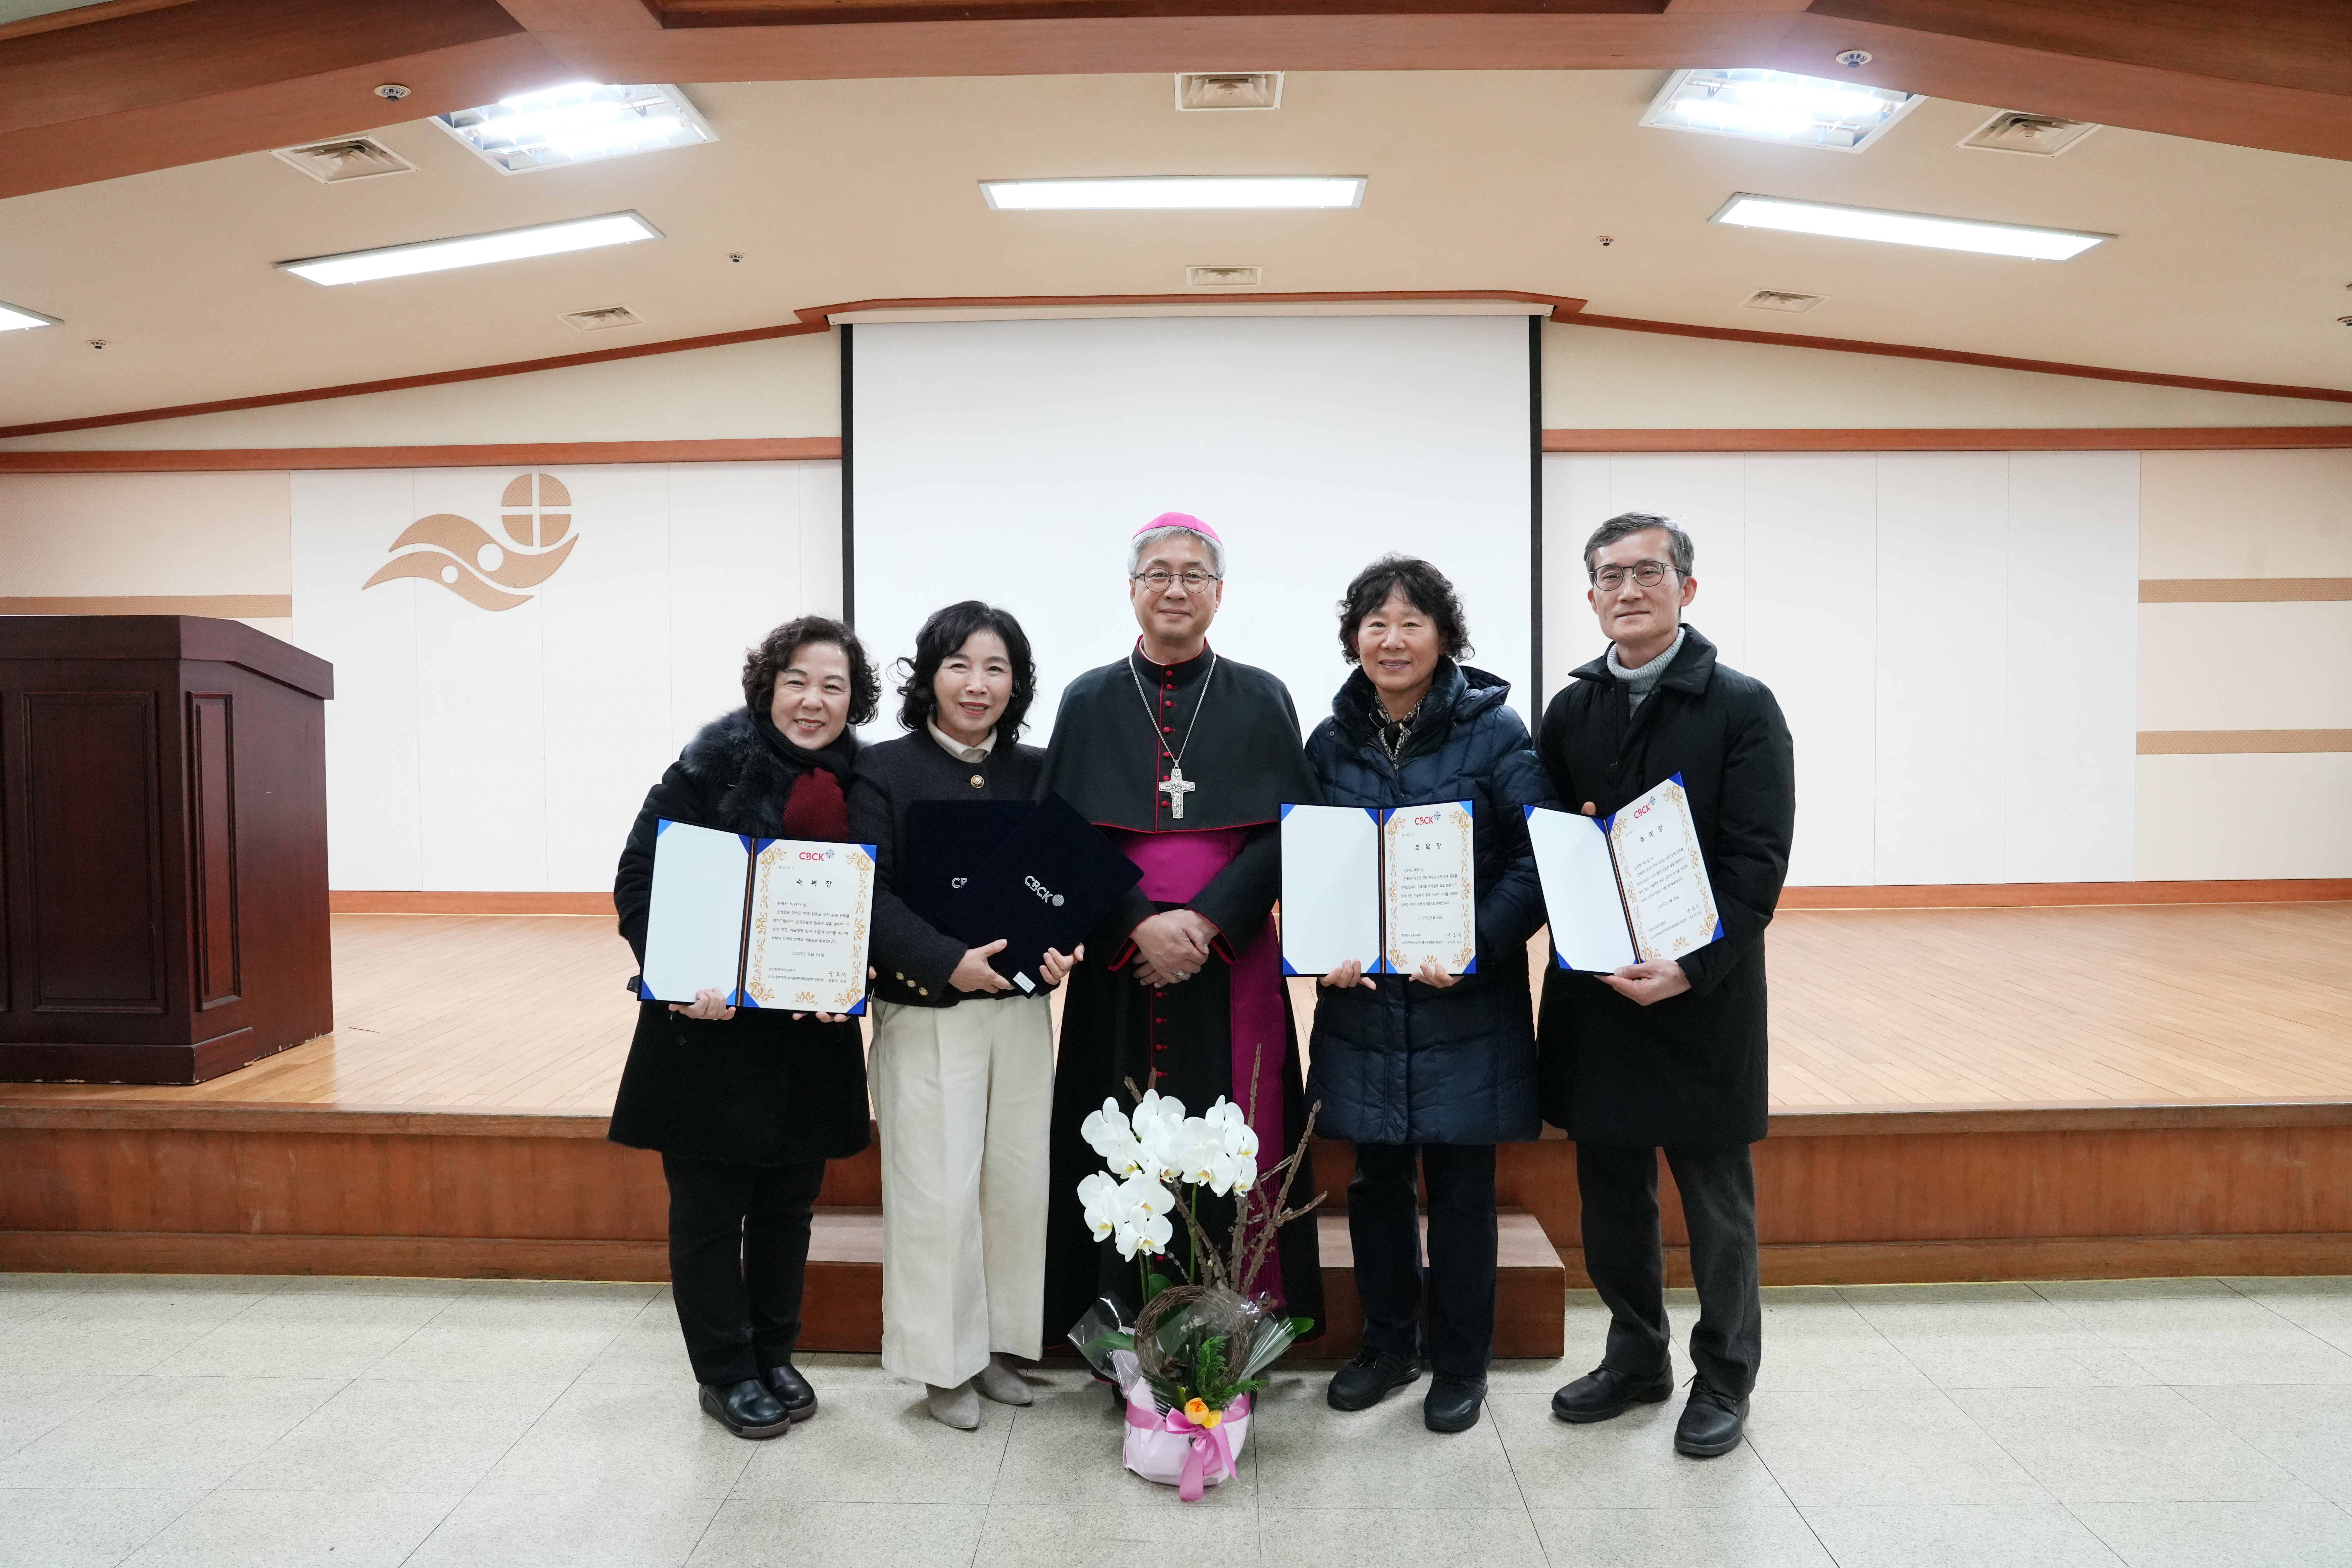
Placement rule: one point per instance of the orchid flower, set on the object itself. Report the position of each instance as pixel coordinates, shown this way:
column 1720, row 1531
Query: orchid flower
column 1107, row 1132
column 1101, row 1194
column 1142, row 1194
column 1231, row 1127
column 1144, row 1234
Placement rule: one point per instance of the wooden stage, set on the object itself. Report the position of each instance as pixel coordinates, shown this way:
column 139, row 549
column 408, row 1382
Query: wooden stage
column 1958, row 1094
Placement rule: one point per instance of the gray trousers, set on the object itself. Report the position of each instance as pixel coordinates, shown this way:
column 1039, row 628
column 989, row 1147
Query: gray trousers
column 1625, row 1254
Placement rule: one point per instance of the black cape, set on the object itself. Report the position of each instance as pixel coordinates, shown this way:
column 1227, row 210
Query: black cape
column 1246, row 756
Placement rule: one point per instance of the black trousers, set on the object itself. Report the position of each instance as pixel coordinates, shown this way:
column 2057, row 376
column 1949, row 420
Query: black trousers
column 1384, row 1226
column 1625, row 1256
column 739, row 1244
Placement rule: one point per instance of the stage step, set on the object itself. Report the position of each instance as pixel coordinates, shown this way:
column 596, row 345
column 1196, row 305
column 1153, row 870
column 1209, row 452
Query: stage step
column 844, row 1308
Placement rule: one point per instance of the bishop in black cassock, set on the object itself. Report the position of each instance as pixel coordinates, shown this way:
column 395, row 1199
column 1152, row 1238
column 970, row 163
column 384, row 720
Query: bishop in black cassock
column 1184, row 759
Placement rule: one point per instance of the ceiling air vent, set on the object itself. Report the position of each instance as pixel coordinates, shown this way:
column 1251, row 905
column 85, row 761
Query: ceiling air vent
column 1221, row 276
column 346, row 158
column 597, row 321
column 1778, row 299
column 2036, row 135
column 1229, row 89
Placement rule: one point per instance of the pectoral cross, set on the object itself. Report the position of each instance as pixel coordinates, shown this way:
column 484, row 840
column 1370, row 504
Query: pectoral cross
column 1176, row 786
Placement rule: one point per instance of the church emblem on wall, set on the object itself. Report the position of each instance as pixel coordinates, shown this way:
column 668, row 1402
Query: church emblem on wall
column 461, row 555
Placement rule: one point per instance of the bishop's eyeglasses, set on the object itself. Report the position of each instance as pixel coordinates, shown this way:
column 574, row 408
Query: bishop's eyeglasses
column 1158, row 579
column 1648, row 573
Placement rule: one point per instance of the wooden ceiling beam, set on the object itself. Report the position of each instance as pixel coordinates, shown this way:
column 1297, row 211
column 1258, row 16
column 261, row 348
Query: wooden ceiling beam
column 140, row 87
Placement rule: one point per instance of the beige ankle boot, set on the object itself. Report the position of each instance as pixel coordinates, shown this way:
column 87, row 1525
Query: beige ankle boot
column 958, row 1407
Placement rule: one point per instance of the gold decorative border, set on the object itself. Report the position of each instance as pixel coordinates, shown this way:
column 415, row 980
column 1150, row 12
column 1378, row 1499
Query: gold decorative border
column 1469, row 883
column 854, row 857
column 1646, row 950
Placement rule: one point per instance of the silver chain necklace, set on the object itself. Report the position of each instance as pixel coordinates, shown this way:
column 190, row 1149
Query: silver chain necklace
column 1175, row 786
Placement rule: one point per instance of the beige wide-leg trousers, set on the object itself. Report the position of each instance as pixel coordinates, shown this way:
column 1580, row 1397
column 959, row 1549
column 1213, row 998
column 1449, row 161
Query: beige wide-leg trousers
column 963, row 1097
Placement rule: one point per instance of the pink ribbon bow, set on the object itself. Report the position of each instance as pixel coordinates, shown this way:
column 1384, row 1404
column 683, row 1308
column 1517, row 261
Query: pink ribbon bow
column 1210, row 1454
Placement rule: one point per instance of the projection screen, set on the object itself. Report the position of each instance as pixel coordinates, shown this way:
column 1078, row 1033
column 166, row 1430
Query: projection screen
column 1011, row 461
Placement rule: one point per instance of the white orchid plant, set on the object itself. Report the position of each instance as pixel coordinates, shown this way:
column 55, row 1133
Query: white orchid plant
column 1209, row 1348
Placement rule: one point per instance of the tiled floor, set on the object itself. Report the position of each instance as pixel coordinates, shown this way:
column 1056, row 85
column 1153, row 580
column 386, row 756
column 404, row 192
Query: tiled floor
column 356, row 1423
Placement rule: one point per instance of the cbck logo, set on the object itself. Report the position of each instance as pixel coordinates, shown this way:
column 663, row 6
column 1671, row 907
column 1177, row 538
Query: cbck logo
column 459, row 553
column 1043, row 891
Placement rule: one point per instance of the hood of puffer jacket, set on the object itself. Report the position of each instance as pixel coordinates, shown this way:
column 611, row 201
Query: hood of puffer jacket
column 1458, row 693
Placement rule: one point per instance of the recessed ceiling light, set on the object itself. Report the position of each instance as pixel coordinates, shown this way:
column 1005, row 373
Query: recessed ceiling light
column 1223, row 276
column 1779, row 106
column 1906, row 228
column 474, row 250
column 16, row 319
column 577, row 122
column 1175, row 193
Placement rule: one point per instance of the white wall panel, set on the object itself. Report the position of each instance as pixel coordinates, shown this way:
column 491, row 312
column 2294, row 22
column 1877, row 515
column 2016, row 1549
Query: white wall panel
column 1943, row 615
column 481, row 681
column 1952, row 636
column 473, row 750
column 1704, row 493
column 608, row 731
column 1812, row 638
column 2222, row 818
column 342, row 524
column 2072, row 665
column 2246, row 666
column 1576, row 495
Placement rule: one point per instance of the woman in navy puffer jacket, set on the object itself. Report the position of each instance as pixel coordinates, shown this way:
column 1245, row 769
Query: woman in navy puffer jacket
column 1430, row 1070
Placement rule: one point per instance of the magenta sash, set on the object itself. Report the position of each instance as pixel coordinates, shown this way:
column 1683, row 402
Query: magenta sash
column 1176, row 866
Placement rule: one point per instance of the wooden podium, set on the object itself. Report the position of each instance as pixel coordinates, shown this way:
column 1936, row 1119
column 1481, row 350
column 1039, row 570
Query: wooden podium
column 162, row 847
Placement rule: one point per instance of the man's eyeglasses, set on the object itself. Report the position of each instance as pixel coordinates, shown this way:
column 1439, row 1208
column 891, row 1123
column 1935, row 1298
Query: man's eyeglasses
column 1648, row 573
column 1157, row 580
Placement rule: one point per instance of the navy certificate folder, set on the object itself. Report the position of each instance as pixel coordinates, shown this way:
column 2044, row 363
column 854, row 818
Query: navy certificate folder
column 1043, row 885
column 947, row 841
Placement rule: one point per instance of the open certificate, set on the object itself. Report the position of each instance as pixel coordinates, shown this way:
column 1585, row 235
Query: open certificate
column 1388, row 890
column 771, row 923
column 1626, row 889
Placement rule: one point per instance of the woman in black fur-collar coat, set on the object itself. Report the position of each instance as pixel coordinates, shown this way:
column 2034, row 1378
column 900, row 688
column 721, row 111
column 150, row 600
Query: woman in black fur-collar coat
column 745, row 1109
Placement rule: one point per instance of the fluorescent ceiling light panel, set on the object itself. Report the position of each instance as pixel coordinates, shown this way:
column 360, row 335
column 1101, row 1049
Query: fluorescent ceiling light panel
column 474, row 250
column 1176, row 193
column 1779, row 106
column 16, row 319
column 577, row 122
column 1906, row 228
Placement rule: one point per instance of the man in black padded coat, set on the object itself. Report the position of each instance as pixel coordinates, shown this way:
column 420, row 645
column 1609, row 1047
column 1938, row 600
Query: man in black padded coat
column 1669, row 1054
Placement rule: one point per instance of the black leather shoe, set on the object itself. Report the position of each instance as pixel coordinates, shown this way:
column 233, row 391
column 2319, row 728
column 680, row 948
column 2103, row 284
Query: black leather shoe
column 1367, row 1380
column 1711, row 1424
column 746, row 1409
column 1451, row 1402
column 1604, row 1393
column 792, row 1390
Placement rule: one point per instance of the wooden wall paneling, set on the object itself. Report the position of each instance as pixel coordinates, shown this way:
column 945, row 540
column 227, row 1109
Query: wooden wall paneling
column 285, row 979
column 95, row 862
column 212, row 815
column 2134, row 439
column 540, row 454
column 2063, row 895
column 2244, row 590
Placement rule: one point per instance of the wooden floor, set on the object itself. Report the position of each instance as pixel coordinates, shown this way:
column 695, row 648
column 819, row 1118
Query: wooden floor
column 1891, row 1008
